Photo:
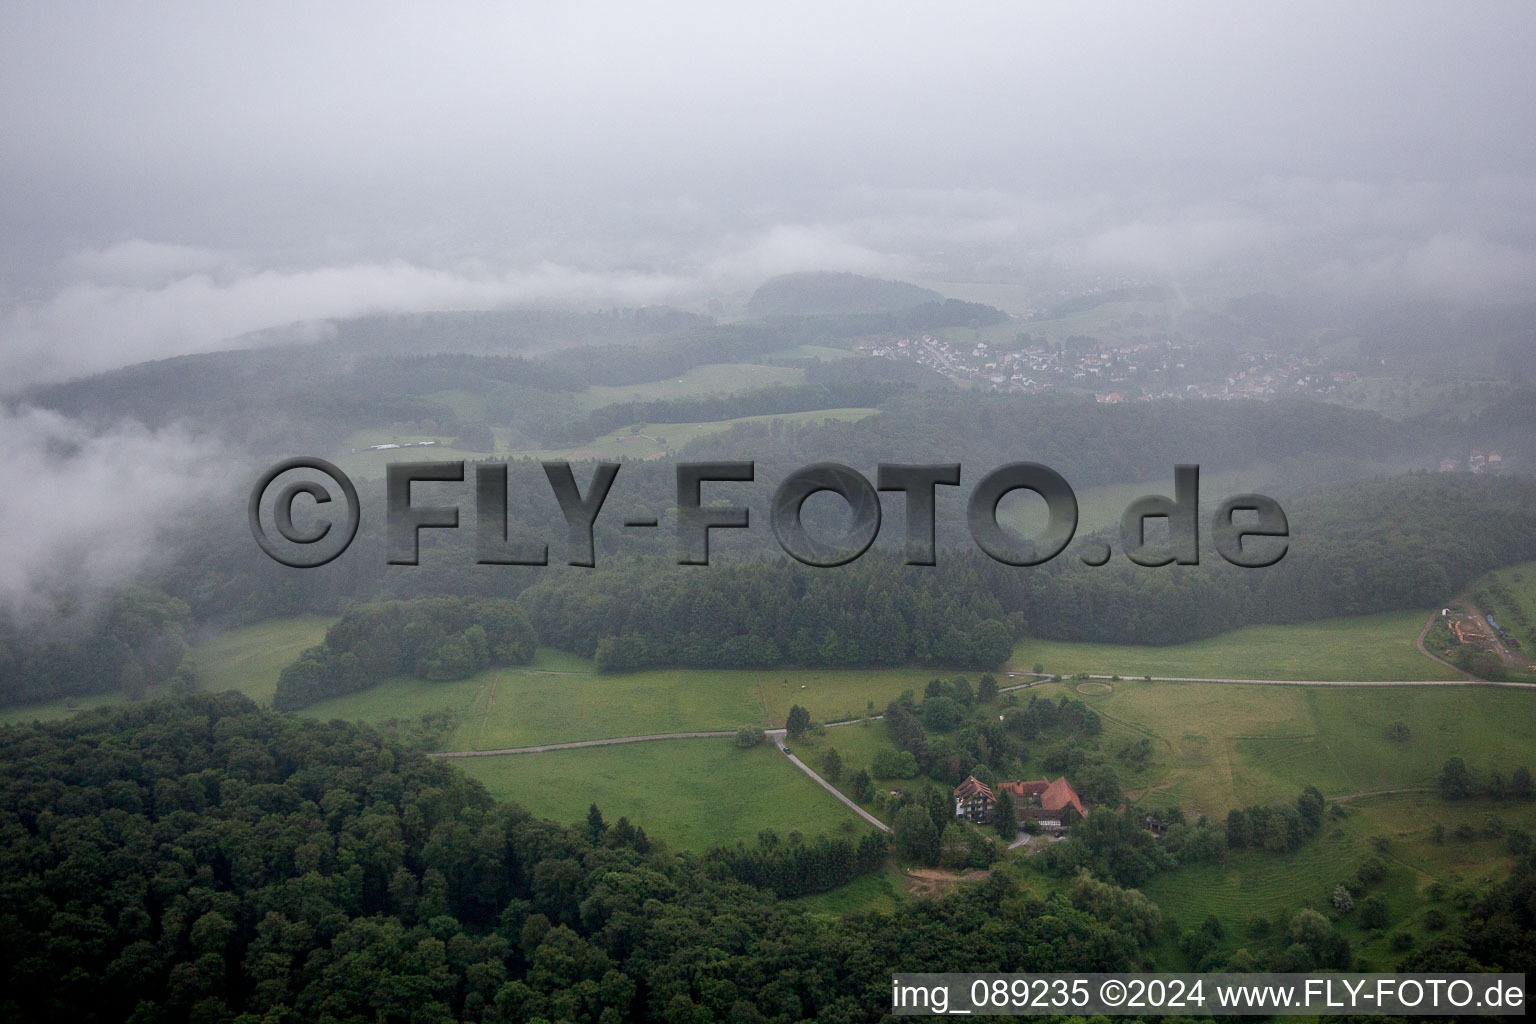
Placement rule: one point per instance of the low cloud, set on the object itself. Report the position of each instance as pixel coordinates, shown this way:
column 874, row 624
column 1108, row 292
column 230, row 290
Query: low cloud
column 88, row 327
column 143, row 263
column 789, row 248
column 86, row 509
column 1467, row 241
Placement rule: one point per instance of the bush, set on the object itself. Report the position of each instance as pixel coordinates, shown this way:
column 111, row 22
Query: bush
column 895, row 764
column 1434, row 920
column 1372, row 871
column 1373, row 912
column 750, row 736
column 942, row 713
column 1342, row 901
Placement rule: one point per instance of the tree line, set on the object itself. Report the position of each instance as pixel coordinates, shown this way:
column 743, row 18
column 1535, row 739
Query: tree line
column 435, row 639
column 799, row 868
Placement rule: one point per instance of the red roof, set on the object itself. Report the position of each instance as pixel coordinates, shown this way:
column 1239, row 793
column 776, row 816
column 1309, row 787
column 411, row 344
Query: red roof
column 1060, row 795
column 971, row 787
column 1025, row 788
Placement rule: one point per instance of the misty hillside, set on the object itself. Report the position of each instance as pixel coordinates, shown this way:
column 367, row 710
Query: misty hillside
column 817, row 294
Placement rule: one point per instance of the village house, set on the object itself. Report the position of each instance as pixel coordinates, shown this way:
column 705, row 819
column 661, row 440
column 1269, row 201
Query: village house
column 1052, row 804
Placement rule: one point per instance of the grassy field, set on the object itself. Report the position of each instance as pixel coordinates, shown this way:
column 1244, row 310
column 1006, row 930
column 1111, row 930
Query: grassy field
column 880, row 892
column 249, row 659
column 1361, row 648
column 246, row 659
column 48, row 711
column 1217, row 746
column 710, row 379
column 562, row 698
column 651, row 440
column 821, row 352
column 1275, row 885
column 691, row 793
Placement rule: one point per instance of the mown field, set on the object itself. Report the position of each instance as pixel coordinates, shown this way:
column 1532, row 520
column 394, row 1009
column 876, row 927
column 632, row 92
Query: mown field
column 561, row 698
column 1367, row 647
column 251, row 658
column 693, row 794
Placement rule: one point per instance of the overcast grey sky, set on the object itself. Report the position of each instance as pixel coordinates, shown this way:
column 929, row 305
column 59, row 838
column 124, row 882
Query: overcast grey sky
column 175, row 174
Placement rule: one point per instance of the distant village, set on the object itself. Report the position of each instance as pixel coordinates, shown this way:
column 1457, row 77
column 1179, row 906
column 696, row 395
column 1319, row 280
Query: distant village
column 1476, row 461
column 1136, row 371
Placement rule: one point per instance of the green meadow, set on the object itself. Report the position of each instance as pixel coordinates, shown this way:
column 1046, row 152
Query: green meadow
column 709, row 379
column 561, row 698
column 1217, row 746
column 1367, row 647
column 250, row 659
column 1397, row 829
column 652, row 440
column 693, row 794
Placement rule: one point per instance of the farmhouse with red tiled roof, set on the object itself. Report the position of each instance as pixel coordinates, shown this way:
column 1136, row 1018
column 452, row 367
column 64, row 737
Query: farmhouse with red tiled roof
column 974, row 800
column 1047, row 802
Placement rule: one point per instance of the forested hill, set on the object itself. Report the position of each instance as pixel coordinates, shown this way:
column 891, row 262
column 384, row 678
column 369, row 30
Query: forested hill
column 1401, row 543
column 1088, row 442
column 200, row 860
column 812, row 294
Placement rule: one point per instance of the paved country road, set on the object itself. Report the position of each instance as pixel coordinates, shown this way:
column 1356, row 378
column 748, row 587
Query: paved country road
column 778, row 739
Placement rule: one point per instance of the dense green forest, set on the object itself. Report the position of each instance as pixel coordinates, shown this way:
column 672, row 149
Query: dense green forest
column 1359, row 544
column 815, row 294
column 199, row 860
column 432, row 638
column 1378, row 546
column 129, row 641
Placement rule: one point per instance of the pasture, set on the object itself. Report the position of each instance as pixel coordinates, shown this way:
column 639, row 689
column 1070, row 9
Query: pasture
column 652, row 440
column 249, row 659
column 1270, row 885
column 693, row 794
column 561, row 698
column 709, row 379
column 1217, row 746
column 1367, row 647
